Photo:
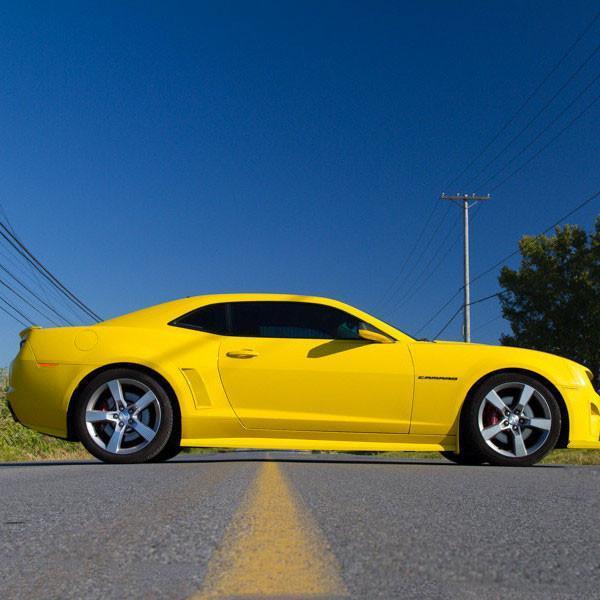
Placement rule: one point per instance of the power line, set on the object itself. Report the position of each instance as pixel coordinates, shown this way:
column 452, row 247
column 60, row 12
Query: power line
column 548, row 229
column 427, row 269
column 486, row 323
column 32, row 275
column 5, row 216
column 25, row 287
column 425, row 248
column 537, row 115
column 522, row 166
column 440, row 310
column 505, row 259
column 30, row 321
column 390, row 291
column 537, row 137
column 511, row 120
column 549, row 143
column 27, row 272
column 448, row 323
column 497, row 295
column 398, row 276
column 502, row 129
column 13, row 316
column 466, row 201
column 26, row 253
column 20, row 296
column 23, row 268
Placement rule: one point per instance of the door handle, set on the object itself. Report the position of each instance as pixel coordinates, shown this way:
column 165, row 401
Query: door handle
column 245, row 353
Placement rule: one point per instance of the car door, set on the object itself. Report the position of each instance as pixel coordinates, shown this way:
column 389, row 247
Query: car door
column 301, row 366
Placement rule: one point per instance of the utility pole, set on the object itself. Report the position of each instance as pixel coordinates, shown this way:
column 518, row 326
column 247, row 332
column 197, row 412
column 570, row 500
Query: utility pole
column 467, row 202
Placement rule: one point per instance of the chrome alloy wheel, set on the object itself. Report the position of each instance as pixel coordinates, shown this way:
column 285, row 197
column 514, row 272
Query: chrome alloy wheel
column 514, row 419
column 123, row 416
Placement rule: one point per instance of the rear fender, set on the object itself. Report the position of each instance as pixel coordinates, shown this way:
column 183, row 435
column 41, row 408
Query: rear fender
column 175, row 387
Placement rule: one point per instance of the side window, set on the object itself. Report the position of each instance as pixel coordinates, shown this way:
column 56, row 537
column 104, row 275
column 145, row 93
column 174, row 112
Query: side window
column 292, row 320
column 210, row 319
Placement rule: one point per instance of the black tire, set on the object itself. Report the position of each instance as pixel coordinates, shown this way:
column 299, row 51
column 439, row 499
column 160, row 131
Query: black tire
column 97, row 391
column 509, row 447
column 171, row 450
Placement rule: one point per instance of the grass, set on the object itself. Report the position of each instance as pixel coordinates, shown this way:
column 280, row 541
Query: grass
column 17, row 443
column 573, row 457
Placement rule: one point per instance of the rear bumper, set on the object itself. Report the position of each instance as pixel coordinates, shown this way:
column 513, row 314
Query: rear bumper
column 39, row 396
column 12, row 412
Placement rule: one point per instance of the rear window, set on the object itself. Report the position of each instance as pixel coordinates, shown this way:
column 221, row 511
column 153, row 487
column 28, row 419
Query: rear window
column 210, row 319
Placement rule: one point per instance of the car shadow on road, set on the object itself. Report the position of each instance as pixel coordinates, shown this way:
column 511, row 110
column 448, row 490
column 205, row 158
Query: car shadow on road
column 269, row 456
column 343, row 459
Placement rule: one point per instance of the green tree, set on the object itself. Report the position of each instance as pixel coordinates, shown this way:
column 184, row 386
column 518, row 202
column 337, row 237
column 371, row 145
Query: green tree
column 552, row 301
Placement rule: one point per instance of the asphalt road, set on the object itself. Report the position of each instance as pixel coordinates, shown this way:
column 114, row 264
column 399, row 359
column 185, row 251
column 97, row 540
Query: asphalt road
column 283, row 525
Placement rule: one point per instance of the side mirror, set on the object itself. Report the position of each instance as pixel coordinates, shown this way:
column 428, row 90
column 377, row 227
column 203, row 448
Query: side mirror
column 368, row 332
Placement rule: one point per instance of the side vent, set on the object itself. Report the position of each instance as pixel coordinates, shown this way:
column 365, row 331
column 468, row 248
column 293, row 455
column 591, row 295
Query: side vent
column 201, row 399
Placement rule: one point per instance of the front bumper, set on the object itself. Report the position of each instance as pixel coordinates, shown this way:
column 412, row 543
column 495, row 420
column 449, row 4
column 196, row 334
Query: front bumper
column 583, row 405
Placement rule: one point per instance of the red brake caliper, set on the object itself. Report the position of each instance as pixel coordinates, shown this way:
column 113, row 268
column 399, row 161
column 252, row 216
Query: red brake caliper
column 491, row 416
column 102, row 405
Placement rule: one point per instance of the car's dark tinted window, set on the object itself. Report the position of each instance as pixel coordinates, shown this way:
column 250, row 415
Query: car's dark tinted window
column 211, row 319
column 292, row 320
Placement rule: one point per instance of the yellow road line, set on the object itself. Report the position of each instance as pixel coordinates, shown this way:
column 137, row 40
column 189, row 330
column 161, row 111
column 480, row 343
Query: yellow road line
column 272, row 548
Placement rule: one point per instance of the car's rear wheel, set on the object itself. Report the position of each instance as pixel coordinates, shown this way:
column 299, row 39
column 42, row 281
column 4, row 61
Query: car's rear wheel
column 124, row 416
column 511, row 419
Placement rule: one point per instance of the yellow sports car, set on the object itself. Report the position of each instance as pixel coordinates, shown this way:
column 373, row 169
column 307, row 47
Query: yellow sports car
column 293, row 372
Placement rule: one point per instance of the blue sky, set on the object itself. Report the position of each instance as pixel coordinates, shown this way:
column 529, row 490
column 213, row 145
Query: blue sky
column 157, row 150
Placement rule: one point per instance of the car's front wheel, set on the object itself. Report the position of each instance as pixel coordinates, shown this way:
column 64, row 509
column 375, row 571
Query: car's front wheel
column 170, row 451
column 511, row 419
column 124, row 416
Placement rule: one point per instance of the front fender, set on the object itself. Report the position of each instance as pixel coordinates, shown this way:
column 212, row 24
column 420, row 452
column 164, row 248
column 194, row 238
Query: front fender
column 445, row 373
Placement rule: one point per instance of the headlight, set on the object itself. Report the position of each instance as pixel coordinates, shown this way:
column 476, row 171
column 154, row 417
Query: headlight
column 581, row 376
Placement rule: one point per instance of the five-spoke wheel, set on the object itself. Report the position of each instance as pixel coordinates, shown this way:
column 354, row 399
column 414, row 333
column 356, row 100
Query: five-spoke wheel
column 510, row 419
column 514, row 419
column 124, row 415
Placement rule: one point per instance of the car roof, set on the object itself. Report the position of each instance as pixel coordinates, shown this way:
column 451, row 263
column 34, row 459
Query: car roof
column 174, row 308
column 161, row 314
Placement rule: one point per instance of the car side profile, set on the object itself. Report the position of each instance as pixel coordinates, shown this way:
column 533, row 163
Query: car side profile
column 277, row 371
